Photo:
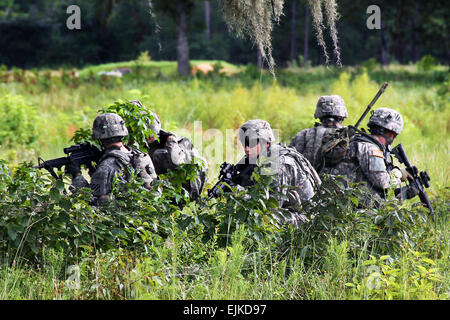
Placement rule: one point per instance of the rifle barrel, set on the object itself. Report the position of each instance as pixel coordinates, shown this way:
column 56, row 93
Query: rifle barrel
column 379, row 93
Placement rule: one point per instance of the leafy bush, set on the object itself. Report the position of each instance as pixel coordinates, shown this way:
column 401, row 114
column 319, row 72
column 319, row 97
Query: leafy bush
column 426, row 63
column 370, row 65
column 19, row 121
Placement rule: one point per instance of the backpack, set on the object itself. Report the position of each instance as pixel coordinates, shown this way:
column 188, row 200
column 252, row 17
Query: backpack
column 303, row 163
column 334, row 148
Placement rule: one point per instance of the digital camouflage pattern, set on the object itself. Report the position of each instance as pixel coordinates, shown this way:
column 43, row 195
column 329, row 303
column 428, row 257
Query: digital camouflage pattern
column 309, row 141
column 295, row 180
column 256, row 129
column 330, row 106
column 108, row 125
column 367, row 161
column 172, row 151
column 113, row 164
column 388, row 119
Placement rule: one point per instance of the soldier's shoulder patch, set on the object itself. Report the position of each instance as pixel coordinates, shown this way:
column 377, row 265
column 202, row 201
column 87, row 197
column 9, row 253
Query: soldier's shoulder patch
column 377, row 153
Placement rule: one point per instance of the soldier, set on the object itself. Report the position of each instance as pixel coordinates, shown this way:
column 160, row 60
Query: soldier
column 170, row 151
column 368, row 157
column 110, row 129
column 331, row 111
column 294, row 177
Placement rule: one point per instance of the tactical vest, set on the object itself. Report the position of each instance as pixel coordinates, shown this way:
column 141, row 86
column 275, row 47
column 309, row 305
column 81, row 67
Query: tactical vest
column 137, row 159
column 334, row 148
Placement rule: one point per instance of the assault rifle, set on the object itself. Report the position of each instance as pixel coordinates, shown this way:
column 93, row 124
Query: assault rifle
column 379, row 93
column 419, row 180
column 231, row 175
column 79, row 154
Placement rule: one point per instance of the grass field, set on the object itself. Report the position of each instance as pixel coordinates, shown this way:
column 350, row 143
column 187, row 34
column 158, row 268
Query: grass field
column 51, row 105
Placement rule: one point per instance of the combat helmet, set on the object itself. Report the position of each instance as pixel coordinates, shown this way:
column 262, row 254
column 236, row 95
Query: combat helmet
column 256, row 129
column 155, row 125
column 108, row 125
column 330, row 106
column 386, row 118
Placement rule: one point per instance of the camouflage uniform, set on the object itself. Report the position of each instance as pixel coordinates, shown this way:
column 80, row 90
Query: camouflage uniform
column 368, row 160
column 294, row 177
column 114, row 160
column 171, row 151
column 309, row 141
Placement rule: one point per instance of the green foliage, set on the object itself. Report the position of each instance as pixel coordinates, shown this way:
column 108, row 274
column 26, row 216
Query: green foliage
column 427, row 63
column 19, row 121
column 370, row 65
column 158, row 245
column 137, row 119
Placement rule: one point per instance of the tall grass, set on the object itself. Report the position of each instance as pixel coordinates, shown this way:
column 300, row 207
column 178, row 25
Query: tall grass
column 175, row 270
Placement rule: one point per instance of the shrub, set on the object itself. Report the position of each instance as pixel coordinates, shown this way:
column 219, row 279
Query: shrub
column 19, row 121
column 426, row 63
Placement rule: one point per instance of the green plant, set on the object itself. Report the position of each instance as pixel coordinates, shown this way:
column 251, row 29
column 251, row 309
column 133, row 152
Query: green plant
column 426, row 63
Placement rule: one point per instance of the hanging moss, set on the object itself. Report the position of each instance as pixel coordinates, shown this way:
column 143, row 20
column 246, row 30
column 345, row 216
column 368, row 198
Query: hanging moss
column 254, row 18
column 332, row 16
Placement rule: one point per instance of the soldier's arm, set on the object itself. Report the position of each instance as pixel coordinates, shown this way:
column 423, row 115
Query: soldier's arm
column 102, row 179
column 295, row 184
column 299, row 141
column 371, row 161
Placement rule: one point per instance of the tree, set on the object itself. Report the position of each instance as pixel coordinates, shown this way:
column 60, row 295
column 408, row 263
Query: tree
column 293, row 51
column 179, row 10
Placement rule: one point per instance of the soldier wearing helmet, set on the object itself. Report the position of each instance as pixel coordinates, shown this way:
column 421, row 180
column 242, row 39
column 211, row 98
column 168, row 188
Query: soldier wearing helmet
column 168, row 151
column 294, row 178
column 110, row 129
column 368, row 157
column 331, row 112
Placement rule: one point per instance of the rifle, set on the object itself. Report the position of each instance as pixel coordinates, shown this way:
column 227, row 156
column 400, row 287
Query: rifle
column 79, row 154
column 335, row 145
column 379, row 93
column 231, row 175
column 419, row 180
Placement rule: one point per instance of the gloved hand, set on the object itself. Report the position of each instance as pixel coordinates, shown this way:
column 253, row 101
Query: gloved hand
column 411, row 192
column 402, row 174
column 73, row 169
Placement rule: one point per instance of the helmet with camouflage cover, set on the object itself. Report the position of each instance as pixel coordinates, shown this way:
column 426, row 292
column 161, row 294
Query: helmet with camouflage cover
column 155, row 125
column 256, row 129
column 388, row 119
column 329, row 106
column 108, row 125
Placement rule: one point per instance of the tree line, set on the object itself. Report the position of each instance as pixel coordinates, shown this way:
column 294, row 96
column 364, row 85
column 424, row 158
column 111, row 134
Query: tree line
column 34, row 33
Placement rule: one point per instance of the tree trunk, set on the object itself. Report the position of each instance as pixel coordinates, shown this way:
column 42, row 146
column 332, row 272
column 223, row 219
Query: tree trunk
column 208, row 20
column 384, row 49
column 293, row 53
column 305, row 48
column 415, row 40
column 182, row 38
column 259, row 58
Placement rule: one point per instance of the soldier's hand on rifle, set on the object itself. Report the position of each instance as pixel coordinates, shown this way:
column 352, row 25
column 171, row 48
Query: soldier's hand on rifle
column 411, row 192
column 402, row 174
column 73, row 169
